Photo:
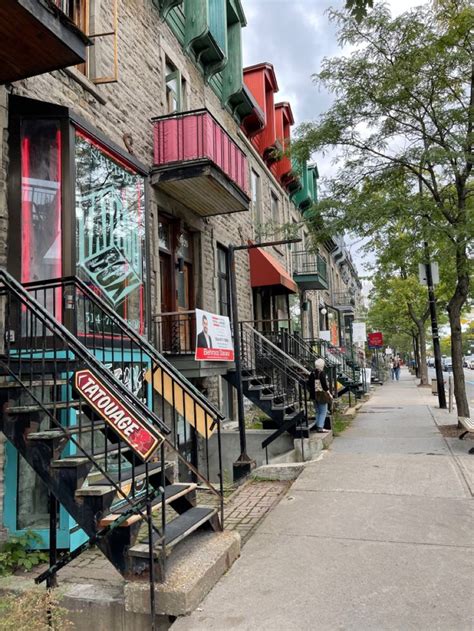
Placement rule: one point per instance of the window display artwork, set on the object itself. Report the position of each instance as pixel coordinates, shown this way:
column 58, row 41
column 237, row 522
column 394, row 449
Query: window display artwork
column 110, row 237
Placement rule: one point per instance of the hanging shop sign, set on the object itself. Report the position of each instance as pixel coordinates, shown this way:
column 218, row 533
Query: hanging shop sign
column 136, row 432
column 214, row 340
column 375, row 340
column 359, row 333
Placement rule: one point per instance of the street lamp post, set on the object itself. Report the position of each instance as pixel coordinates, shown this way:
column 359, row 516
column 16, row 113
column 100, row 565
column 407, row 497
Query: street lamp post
column 434, row 330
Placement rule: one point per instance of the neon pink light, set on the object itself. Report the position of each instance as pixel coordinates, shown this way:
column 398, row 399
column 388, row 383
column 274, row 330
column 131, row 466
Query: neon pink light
column 59, row 264
column 107, row 151
column 26, row 227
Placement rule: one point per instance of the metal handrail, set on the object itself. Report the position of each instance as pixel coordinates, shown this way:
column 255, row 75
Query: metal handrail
column 44, row 339
column 283, row 356
column 62, row 332
column 138, row 339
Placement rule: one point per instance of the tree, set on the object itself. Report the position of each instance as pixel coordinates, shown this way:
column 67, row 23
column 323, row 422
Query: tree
column 404, row 107
column 399, row 307
column 358, row 8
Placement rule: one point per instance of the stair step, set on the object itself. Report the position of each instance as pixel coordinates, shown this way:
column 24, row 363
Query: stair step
column 34, row 384
column 69, row 461
column 255, row 377
column 50, row 405
column 47, row 434
column 176, row 530
column 261, row 386
column 287, row 417
column 96, row 491
column 172, row 492
column 126, row 474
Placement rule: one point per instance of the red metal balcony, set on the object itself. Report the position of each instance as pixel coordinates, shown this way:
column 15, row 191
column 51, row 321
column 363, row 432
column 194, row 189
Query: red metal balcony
column 37, row 37
column 197, row 163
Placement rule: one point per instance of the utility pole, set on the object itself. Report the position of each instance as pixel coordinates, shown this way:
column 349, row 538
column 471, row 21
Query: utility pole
column 434, row 331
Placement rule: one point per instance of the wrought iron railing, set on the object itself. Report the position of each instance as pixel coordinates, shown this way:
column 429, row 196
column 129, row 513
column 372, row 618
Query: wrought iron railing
column 305, row 262
column 175, row 332
column 46, row 339
column 343, row 299
column 136, row 363
column 271, row 365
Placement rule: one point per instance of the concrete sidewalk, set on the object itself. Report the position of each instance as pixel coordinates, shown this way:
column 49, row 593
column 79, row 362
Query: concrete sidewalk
column 378, row 535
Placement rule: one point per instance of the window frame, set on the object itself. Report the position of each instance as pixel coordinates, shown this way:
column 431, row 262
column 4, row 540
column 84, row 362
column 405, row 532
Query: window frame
column 180, row 93
column 21, row 108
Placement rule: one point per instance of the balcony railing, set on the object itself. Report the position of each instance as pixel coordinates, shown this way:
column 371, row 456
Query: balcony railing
column 310, row 270
column 175, row 332
column 343, row 300
column 198, row 163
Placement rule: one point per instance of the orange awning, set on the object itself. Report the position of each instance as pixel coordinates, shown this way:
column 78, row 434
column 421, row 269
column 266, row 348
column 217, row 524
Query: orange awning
column 266, row 271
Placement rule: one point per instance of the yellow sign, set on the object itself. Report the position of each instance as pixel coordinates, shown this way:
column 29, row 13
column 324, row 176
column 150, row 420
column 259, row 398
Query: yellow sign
column 182, row 402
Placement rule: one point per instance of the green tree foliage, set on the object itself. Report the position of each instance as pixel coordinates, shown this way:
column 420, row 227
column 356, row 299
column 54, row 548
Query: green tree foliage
column 399, row 308
column 403, row 117
column 358, row 8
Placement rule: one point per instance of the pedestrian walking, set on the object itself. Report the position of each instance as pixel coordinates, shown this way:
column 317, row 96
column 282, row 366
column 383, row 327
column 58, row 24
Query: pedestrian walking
column 319, row 392
column 392, row 369
column 396, row 368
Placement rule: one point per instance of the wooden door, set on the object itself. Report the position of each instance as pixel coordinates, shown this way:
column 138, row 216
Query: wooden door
column 166, row 292
column 184, row 304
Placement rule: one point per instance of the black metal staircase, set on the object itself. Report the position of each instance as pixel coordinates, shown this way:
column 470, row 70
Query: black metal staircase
column 109, row 454
column 345, row 368
column 274, row 382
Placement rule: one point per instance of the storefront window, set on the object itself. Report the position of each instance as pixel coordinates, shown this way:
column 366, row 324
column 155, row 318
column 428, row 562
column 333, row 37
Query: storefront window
column 110, row 236
column 40, row 200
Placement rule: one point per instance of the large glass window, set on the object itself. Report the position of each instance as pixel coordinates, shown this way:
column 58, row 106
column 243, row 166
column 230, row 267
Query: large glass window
column 40, row 200
column 110, row 230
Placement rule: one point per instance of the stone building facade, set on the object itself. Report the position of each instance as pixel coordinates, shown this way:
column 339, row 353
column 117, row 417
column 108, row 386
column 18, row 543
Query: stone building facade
column 159, row 73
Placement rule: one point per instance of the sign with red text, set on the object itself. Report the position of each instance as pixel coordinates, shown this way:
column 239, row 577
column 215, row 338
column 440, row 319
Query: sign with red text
column 375, row 340
column 137, row 433
column 214, row 338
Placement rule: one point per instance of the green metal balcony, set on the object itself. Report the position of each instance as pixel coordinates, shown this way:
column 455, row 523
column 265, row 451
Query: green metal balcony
column 206, row 33
column 309, row 270
column 307, row 195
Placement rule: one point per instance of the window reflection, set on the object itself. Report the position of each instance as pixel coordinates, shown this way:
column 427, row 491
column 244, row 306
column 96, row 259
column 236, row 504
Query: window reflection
column 110, row 231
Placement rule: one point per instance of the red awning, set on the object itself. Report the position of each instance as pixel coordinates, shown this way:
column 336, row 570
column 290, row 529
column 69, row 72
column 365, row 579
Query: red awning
column 266, row 271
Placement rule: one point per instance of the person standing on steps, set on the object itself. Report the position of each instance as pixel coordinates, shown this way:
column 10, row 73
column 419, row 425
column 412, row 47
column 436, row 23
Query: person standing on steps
column 319, row 392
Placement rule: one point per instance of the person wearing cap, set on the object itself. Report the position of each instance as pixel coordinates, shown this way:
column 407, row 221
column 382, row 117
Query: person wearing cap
column 319, row 392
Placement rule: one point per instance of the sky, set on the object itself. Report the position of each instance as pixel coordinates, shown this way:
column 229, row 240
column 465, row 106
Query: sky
column 295, row 35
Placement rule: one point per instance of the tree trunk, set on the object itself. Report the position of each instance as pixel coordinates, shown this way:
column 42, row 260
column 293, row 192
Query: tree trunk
column 420, row 324
column 454, row 310
column 422, row 352
column 455, row 306
column 416, row 347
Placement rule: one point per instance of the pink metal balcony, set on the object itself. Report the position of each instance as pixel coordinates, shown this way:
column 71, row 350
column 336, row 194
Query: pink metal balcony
column 197, row 163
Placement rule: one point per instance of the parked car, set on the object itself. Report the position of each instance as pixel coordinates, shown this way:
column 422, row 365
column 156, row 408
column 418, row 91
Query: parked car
column 471, row 364
column 447, row 364
column 430, row 362
column 468, row 361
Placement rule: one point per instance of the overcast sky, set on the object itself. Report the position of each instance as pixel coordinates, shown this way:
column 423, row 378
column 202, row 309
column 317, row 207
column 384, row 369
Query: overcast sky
column 294, row 36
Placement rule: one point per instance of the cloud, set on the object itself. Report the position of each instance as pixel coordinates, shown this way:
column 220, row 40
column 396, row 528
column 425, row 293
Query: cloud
column 294, row 36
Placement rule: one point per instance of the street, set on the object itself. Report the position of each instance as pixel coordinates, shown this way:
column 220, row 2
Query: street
column 468, row 376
